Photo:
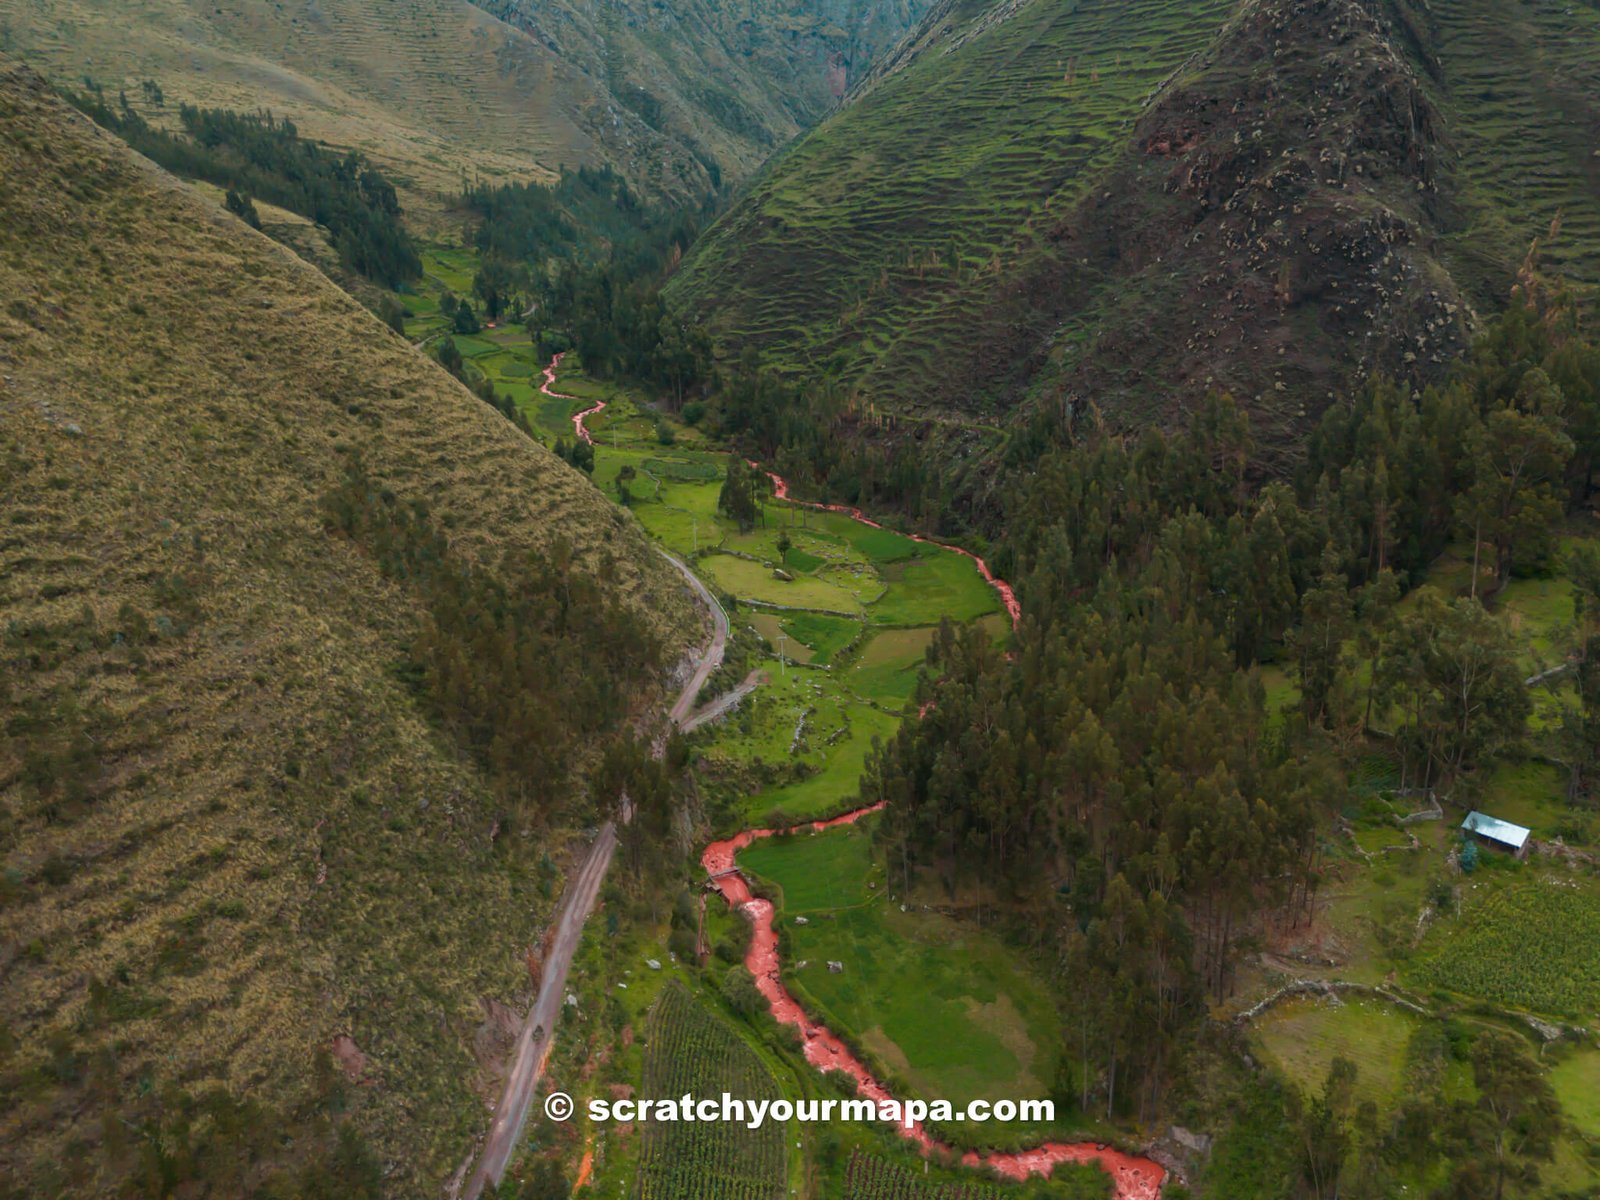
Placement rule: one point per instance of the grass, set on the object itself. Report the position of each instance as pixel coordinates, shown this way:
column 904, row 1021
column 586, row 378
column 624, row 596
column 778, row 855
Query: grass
column 886, row 670
column 817, row 870
column 1533, row 794
column 755, row 581
column 941, row 1004
column 258, row 835
column 1576, row 1080
column 825, row 636
column 939, row 584
column 1302, row 1037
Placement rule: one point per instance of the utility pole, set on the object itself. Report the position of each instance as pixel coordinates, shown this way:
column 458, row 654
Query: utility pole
column 783, row 661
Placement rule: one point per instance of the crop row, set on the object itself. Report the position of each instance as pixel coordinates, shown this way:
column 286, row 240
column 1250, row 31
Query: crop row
column 692, row 1050
column 871, row 1178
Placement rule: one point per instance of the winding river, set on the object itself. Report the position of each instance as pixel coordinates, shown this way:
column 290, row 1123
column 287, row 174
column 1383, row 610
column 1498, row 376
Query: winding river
column 1135, row 1178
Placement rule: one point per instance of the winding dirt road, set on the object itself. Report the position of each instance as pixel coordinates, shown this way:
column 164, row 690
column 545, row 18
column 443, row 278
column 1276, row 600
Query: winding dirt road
column 711, row 656
column 577, row 902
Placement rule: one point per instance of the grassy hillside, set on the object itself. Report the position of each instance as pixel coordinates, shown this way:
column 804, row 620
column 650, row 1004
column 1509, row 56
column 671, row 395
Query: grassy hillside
column 348, row 72
column 733, row 78
column 230, row 838
column 1059, row 201
column 436, row 91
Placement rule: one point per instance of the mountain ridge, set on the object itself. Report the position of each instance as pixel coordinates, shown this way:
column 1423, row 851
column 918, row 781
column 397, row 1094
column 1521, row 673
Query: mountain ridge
column 1030, row 219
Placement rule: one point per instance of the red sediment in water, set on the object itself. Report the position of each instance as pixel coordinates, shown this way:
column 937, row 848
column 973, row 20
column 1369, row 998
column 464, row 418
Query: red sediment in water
column 780, row 491
column 548, row 388
column 1135, row 1178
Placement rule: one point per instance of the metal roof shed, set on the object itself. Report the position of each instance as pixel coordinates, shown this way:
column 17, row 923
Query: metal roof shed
column 1496, row 832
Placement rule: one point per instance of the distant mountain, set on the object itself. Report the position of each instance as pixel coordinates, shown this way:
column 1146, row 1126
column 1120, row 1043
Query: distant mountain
column 733, row 79
column 249, row 810
column 1052, row 203
column 440, row 90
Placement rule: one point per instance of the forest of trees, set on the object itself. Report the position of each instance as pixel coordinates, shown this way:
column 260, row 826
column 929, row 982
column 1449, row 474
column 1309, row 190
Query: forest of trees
column 518, row 663
column 257, row 157
column 1119, row 763
column 581, row 262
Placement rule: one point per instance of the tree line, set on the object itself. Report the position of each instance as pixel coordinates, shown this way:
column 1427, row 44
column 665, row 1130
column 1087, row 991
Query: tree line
column 256, row 156
column 518, row 663
column 1120, row 768
column 580, row 262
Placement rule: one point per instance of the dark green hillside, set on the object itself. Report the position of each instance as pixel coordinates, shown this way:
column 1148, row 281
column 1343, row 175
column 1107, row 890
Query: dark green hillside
column 1135, row 203
column 1521, row 85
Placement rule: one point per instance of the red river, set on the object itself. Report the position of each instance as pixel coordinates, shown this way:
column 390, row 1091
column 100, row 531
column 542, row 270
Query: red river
column 1135, row 1178
column 780, row 491
column 548, row 388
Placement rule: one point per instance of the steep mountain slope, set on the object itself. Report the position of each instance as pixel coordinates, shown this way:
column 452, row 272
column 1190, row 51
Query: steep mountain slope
column 1132, row 203
column 734, row 78
column 440, row 90
column 230, row 835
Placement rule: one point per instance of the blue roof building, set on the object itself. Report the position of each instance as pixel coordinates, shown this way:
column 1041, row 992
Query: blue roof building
column 1492, row 831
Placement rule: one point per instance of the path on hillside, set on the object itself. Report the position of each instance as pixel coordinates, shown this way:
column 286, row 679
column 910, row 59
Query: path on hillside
column 713, row 709
column 577, row 902
column 1133, row 1177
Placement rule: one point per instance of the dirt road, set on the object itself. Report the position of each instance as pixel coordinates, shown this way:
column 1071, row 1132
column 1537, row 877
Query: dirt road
column 723, row 703
column 532, row 1052
column 711, row 658
column 577, row 902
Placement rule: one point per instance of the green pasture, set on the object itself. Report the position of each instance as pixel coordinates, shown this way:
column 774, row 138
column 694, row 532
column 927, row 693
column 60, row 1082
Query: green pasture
column 827, row 870
column 1301, row 1038
column 1576, row 1079
column 942, row 1005
column 940, row 583
column 886, row 670
column 825, row 636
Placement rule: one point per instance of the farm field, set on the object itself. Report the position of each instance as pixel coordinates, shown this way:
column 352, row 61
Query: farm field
column 947, row 1010
column 1525, row 939
column 942, row 1005
column 691, row 1050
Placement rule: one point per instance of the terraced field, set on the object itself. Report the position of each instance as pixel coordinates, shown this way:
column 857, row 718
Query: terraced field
column 1047, row 201
column 1521, row 81
column 871, row 235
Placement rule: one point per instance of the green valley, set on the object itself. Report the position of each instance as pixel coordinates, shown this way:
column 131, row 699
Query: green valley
column 1033, row 561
